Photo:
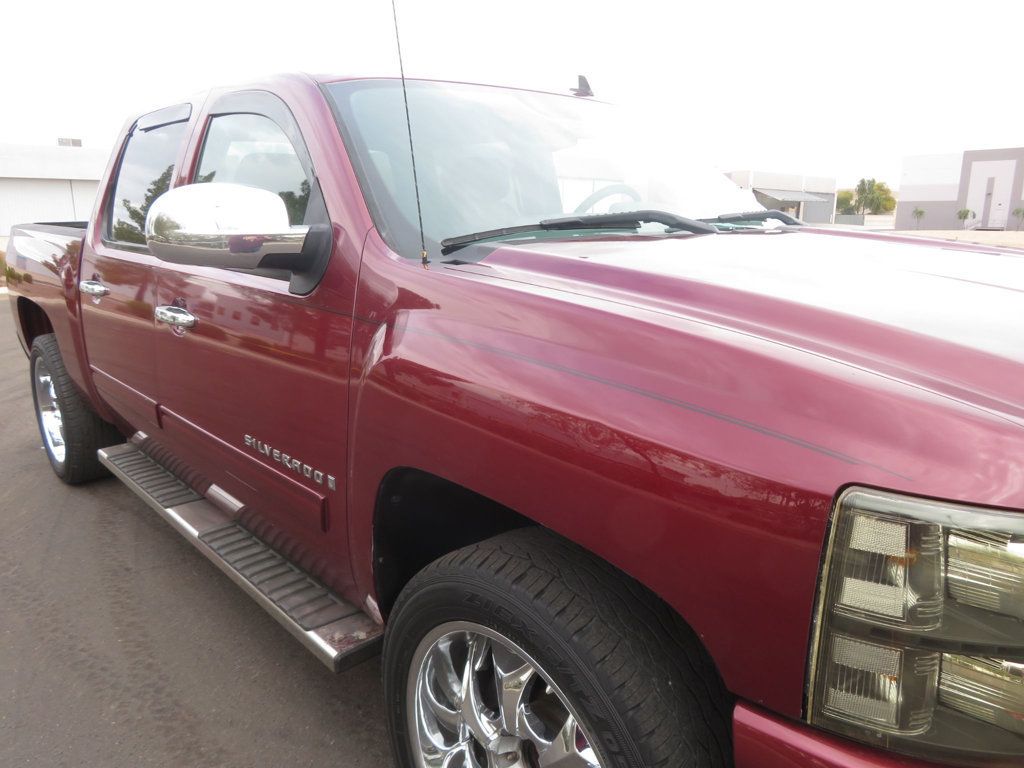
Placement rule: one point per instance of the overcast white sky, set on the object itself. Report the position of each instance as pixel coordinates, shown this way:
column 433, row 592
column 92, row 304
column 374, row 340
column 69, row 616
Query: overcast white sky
column 813, row 87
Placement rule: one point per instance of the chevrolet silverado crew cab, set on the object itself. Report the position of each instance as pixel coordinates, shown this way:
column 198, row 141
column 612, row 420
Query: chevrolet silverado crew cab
column 610, row 473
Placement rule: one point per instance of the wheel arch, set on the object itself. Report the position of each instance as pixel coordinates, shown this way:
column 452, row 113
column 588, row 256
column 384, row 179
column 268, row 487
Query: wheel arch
column 32, row 321
column 421, row 517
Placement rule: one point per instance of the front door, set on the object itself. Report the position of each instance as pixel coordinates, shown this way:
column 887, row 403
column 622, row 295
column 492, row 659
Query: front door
column 988, row 191
column 255, row 394
column 117, row 279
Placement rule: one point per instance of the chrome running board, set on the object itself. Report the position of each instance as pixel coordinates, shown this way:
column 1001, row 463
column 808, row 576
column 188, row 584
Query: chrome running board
column 337, row 632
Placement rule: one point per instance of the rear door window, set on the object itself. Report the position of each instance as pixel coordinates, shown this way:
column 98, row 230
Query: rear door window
column 144, row 174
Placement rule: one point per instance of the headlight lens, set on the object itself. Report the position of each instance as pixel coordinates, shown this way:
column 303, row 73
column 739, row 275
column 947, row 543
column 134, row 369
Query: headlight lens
column 988, row 689
column 986, row 570
column 879, row 685
column 919, row 638
column 890, row 570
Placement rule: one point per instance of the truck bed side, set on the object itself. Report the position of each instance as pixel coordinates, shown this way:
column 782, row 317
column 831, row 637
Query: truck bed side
column 43, row 264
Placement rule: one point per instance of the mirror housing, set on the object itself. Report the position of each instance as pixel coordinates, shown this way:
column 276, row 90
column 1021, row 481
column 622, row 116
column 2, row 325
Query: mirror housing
column 226, row 225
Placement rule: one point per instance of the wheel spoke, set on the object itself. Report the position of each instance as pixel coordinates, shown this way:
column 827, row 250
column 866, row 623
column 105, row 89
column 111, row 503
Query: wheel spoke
column 48, row 410
column 480, row 725
column 447, row 717
column 565, row 751
column 481, row 702
column 479, row 650
column 443, row 667
column 440, row 721
column 461, row 756
column 54, row 428
column 513, row 676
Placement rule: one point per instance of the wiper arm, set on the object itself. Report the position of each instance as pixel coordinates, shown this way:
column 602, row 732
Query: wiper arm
column 624, row 220
column 756, row 216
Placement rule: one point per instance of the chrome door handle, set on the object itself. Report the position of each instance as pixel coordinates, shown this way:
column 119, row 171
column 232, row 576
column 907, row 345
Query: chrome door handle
column 93, row 288
column 176, row 317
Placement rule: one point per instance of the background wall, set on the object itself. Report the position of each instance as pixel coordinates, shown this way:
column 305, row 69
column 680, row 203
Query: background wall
column 26, row 200
column 47, row 183
column 989, row 182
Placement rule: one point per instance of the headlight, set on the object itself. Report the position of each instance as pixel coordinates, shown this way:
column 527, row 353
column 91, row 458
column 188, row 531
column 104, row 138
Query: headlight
column 919, row 633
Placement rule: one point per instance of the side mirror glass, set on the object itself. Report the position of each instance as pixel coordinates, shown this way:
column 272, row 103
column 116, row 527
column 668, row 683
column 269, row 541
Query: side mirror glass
column 225, row 225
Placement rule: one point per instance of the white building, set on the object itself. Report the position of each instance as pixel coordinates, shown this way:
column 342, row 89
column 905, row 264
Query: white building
column 989, row 183
column 810, row 198
column 47, row 184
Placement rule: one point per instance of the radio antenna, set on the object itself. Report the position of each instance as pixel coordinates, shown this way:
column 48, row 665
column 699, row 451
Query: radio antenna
column 412, row 151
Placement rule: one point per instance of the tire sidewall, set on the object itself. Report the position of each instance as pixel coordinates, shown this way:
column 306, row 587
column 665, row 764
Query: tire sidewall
column 438, row 601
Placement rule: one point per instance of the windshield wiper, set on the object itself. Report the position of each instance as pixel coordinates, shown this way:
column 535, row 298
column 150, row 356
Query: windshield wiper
column 624, row 220
column 756, row 216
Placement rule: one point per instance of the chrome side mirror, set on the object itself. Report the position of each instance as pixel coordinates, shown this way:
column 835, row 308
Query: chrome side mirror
column 224, row 225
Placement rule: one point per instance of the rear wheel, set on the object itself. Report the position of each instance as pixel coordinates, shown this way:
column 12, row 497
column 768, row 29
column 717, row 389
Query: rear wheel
column 524, row 651
column 70, row 429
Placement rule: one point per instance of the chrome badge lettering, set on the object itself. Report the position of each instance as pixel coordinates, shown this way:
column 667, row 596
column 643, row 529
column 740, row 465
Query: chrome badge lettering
column 291, row 463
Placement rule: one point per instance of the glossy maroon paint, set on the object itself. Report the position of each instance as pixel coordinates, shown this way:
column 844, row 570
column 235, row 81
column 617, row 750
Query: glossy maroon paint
column 121, row 334
column 761, row 740
column 687, row 409
column 46, row 260
column 276, row 363
column 690, row 434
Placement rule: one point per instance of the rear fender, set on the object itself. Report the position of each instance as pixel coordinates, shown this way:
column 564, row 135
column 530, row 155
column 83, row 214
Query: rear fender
column 43, row 264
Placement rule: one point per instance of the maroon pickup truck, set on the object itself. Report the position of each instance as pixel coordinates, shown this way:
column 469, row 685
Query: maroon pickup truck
column 608, row 481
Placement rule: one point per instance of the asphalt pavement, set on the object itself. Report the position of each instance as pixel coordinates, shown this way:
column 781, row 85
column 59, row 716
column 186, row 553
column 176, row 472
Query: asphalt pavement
column 120, row 645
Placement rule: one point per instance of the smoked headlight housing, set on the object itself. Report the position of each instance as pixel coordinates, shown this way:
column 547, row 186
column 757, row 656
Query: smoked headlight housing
column 919, row 633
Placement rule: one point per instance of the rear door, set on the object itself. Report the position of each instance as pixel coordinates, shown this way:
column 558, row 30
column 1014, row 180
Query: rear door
column 255, row 394
column 117, row 280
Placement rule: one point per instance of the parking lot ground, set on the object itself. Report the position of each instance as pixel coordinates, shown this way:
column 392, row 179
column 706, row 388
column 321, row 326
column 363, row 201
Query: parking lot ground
column 120, row 645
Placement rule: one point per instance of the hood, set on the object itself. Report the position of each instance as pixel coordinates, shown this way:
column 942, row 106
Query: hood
column 942, row 316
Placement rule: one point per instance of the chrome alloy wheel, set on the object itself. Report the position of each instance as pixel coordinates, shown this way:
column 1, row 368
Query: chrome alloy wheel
column 477, row 700
column 51, row 421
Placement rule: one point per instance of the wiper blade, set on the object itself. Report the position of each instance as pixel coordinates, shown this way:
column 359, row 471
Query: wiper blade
column 450, row 244
column 757, row 216
column 631, row 220
column 624, row 220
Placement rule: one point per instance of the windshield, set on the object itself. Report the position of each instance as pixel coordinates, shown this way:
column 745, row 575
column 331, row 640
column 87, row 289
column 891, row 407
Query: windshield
column 489, row 158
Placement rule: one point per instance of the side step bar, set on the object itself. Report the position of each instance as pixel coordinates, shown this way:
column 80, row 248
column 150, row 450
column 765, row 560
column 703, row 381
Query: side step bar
column 337, row 632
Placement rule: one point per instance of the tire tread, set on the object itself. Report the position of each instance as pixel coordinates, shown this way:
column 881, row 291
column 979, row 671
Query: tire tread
column 623, row 632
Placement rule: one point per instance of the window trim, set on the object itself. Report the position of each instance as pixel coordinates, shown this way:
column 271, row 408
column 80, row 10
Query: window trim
column 263, row 104
column 177, row 113
column 355, row 150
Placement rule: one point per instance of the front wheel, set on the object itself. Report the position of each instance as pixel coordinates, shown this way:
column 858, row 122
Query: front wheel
column 524, row 651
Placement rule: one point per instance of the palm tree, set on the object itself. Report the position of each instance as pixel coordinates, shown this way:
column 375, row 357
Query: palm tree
column 874, row 197
column 865, row 188
column 918, row 214
column 964, row 214
column 1019, row 213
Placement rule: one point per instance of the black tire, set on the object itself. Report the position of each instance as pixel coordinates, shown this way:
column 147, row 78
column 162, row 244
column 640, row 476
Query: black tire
column 84, row 432
column 639, row 679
